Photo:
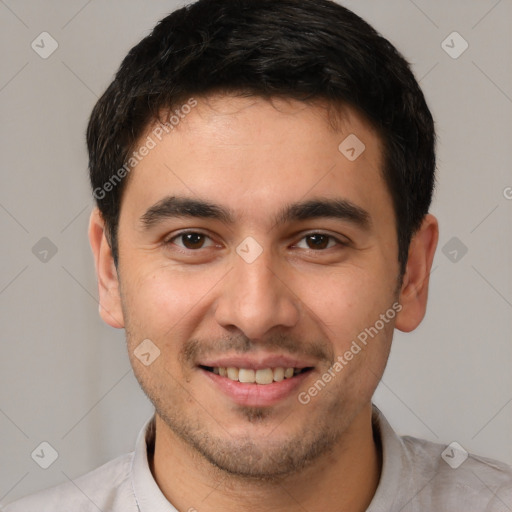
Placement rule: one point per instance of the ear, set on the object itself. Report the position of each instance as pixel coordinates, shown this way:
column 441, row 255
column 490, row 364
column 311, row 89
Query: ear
column 414, row 291
column 108, row 282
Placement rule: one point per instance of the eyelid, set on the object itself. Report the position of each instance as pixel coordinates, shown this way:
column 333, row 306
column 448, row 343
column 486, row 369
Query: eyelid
column 169, row 240
column 342, row 240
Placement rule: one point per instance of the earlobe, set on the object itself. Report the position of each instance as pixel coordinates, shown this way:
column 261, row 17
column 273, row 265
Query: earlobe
column 108, row 283
column 414, row 290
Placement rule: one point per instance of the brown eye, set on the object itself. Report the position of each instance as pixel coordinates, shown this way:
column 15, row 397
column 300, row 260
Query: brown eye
column 318, row 241
column 190, row 240
column 321, row 241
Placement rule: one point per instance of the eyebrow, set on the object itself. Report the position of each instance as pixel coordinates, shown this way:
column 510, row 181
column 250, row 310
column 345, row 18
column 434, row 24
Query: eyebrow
column 181, row 206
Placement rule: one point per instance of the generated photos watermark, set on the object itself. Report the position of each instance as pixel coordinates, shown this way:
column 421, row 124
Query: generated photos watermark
column 305, row 397
column 143, row 150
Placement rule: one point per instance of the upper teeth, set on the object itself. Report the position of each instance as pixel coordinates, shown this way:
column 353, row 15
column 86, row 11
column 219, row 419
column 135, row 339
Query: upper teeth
column 263, row 376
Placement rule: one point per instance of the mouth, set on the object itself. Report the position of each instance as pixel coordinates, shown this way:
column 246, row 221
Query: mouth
column 263, row 385
column 261, row 376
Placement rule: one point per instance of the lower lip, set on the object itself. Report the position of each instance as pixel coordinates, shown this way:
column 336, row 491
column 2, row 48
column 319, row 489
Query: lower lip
column 257, row 395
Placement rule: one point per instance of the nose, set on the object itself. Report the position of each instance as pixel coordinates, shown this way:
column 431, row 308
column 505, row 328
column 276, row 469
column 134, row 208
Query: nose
column 256, row 297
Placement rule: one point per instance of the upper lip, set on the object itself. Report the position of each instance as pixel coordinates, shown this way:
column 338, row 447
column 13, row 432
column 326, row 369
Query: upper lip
column 256, row 363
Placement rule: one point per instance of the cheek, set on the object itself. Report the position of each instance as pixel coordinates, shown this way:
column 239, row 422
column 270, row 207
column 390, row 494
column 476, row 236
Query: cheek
column 166, row 304
column 348, row 307
column 347, row 301
column 155, row 301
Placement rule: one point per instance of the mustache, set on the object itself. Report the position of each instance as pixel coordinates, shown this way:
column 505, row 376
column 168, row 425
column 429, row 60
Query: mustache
column 194, row 349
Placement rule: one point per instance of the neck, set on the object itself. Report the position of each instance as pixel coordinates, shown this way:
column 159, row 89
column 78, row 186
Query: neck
column 343, row 479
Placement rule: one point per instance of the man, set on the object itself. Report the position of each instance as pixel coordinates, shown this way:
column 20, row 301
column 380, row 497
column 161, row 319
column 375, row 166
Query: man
column 263, row 171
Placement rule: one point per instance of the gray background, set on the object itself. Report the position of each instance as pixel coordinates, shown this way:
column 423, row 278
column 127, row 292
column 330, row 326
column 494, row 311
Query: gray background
column 66, row 378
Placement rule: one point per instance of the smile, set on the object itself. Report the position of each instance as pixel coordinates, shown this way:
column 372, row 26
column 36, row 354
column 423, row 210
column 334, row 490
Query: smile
column 261, row 376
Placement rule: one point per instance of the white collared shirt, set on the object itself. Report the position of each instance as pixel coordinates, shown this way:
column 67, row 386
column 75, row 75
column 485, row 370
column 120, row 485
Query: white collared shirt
column 415, row 478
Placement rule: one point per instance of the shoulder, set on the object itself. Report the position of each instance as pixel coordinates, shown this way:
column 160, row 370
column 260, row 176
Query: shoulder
column 449, row 474
column 107, row 487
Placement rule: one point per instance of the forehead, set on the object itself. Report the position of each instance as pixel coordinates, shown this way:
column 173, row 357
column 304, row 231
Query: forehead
column 253, row 155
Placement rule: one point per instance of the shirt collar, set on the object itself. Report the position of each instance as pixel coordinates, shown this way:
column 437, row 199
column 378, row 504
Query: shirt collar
column 394, row 460
column 148, row 495
column 150, row 498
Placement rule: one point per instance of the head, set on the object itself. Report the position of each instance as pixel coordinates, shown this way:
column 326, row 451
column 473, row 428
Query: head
column 257, row 127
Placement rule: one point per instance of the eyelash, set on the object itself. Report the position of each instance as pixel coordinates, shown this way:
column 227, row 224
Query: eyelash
column 185, row 250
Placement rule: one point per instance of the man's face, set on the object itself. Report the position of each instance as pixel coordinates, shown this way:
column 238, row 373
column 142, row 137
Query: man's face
column 260, row 292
